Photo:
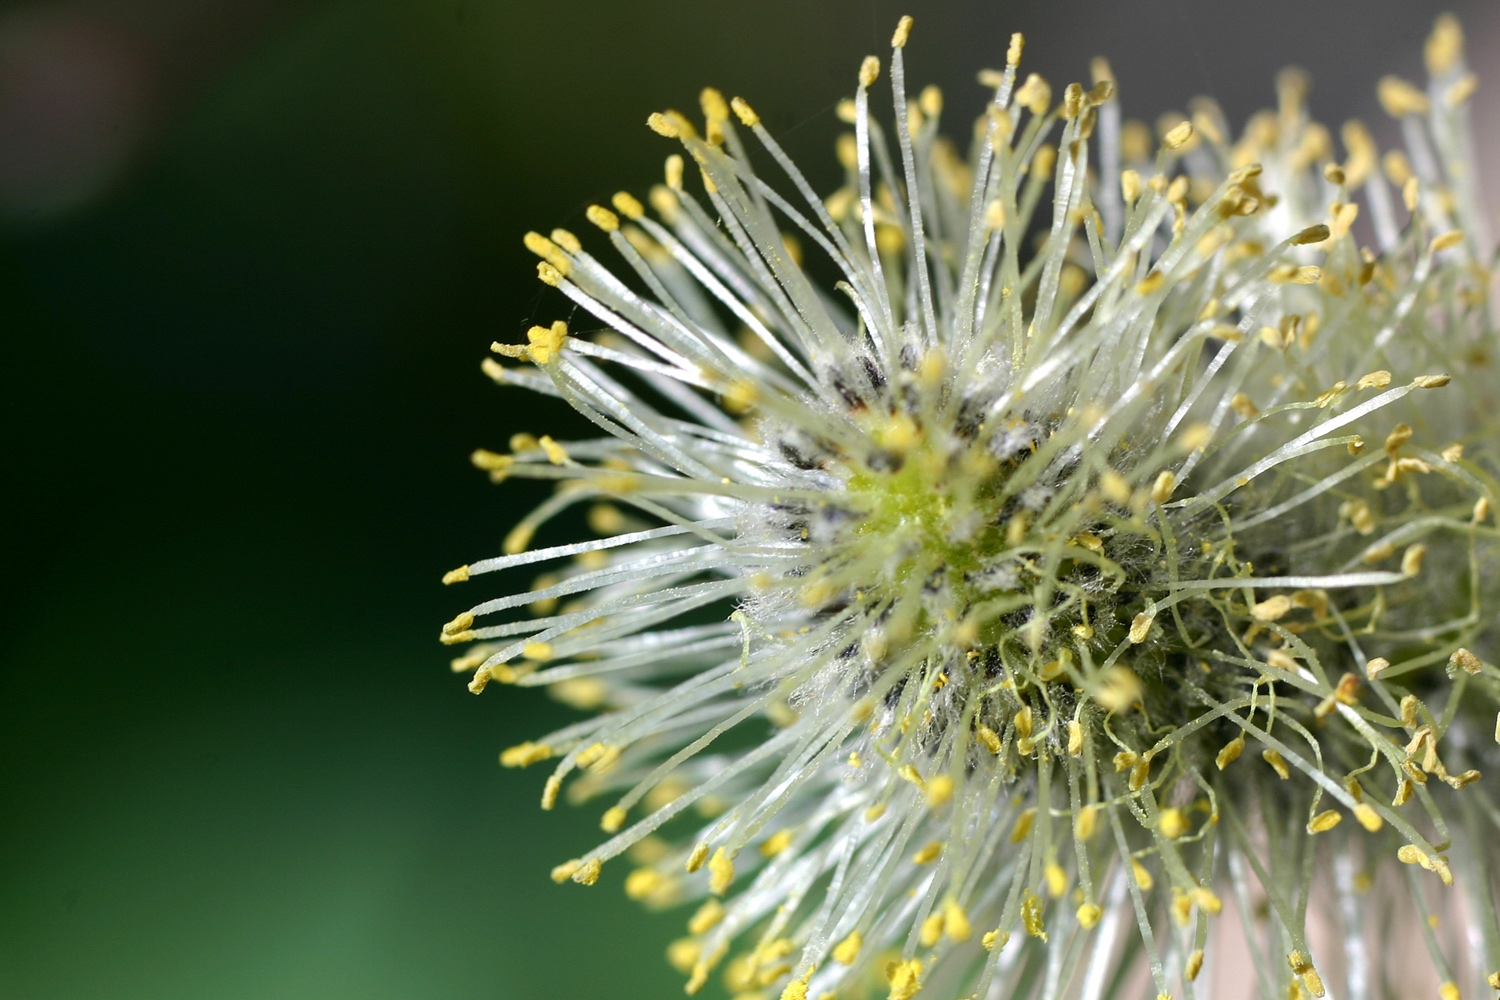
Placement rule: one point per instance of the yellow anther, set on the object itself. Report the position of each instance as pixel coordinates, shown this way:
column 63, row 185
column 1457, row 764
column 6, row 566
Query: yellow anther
column 1150, row 283
column 541, row 651
column 1178, row 135
column 456, row 575
column 1431, row 381
column 1031, row 916
column 459, row 624
column 1463, row 88
column 1035, row 95
column 1161, row 490
column 662, row 125
column 932, row 930
column 1231, row 752
column 525, row 754
column 611, row 821
column 869, row 71
column 1375, row 667
column 566, row 870
column 1022, row 720
column 706, row 918
column 643, row 882
column 1194, row 965
column 1022, row 829
column 627, row 205
column 988, row 738
column 1446, row 240
column 1085, row 822
column 1448, row 991
column 1130, row 186
column 939, row 790
column 720, row 872
column 1271, row 609
column 1277, row 763
column 1075, row 738
column 1374, row 380
column 1056, row 879
column 903, row 31
column 1088, row 915
column 587, row 873
column 1400, row 98
column 956, row 922
column 847, row 950
column 1466, row 660
column 683, row 954
column 550, row 790
column 1411, row 854
column 906, row 979
column 741, row 397
column 1443, row 48
column 1411, row 559
column 1139, row 627
column 1172, row 823
column 775, row 843
column 744, row 112
column 603, row 218
column 795, row 990
column 1013, row 51
column 1324, row 821
column 1330, row 394
column 1207, row 900
column 1312, row 234
column 994, row 215
column 1368, row 817
column 1142, row 875
column 545, row 343
column 928, row 854
column 567, row 241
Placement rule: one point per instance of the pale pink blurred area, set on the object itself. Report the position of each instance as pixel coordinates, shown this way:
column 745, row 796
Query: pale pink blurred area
column 85, row 86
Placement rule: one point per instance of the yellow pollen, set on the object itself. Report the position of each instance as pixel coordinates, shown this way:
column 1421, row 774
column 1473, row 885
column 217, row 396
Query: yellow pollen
column 928, row 854
column 1324, row 821
column 1466, row 660
column 905, row 978
column 1172, row 823
column 1178, row 136
column 525, row 754
column 775, row 843
column 1272, row 608
column 1056, row 879
column 588, row 872
column 869, row 71
column 847, row 950
column 903, row 30
column 1022, row 829
column 706, row 918
column 720, row 872
column 1277, row 764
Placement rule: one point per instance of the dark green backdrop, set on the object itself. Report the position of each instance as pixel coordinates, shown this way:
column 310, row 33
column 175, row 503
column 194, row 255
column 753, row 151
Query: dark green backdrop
column 239, row 384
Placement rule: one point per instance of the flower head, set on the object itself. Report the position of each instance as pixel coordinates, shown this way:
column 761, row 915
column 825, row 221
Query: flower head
column 1077, row 559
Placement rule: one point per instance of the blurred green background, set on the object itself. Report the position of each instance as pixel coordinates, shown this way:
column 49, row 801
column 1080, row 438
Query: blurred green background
column 252, row 253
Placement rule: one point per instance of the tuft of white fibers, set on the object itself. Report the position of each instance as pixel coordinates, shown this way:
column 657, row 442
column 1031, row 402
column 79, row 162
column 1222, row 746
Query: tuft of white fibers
column 1101, row 554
